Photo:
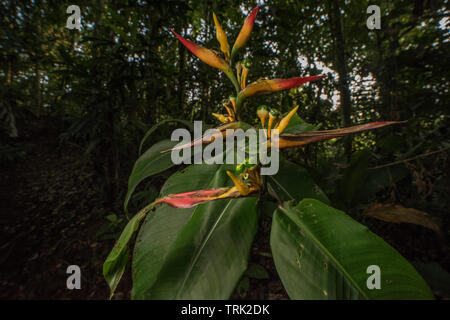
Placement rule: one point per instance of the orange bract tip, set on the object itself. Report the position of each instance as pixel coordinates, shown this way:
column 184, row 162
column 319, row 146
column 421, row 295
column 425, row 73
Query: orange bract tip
column 206, row 55
column 285, row 121
column 246, row 29
column 222, row 38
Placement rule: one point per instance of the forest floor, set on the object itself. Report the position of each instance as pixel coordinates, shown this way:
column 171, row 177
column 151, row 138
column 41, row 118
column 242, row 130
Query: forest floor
column 51, row 212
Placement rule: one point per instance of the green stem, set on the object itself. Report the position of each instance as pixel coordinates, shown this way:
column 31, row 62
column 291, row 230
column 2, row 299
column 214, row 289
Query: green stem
column 239, row 102
column 233, row 79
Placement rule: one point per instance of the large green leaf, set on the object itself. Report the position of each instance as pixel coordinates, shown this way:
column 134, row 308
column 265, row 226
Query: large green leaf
column 160, row 228
column 293, row 182
column 156, row 126
column 115, row 264
column 322, row 253
column 150, row 163
column 196, row 253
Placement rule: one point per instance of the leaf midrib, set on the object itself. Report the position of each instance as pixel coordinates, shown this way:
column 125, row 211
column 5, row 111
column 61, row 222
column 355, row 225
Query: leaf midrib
column 193, row 262
column 282, row 188
column 199, row 252
column 204, row 242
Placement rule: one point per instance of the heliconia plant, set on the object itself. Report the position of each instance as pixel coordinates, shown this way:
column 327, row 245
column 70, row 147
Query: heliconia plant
column 195, row 239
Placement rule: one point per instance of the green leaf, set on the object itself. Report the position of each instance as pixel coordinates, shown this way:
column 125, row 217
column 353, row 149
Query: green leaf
column 195, row 253
column 298, row 125
column 115, row 263
column 156, row 126
column 293, row 182
column 113, row 270
column 150, row 163
column 322, row 253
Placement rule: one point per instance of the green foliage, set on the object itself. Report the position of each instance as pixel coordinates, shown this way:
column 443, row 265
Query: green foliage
column 321, row 253
column 115, row 263
column 285, row 184
column 180, row 261
column 152, row 129
column 150, row 163
column 198, row 247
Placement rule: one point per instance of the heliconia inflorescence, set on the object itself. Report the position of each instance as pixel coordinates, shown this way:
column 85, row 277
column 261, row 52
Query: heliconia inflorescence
column 270, row 118
column 247, row 177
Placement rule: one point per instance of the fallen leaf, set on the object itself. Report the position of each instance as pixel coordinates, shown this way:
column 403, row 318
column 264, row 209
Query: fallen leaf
column 399, row 214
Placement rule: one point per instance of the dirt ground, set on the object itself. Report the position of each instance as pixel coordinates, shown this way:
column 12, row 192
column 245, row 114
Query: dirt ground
column 50, row 214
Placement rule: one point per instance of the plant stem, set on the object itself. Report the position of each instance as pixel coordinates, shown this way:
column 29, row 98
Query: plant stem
column 233, row 79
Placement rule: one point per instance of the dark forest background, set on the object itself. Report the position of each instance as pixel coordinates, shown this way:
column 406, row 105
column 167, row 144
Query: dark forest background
column 83, row 100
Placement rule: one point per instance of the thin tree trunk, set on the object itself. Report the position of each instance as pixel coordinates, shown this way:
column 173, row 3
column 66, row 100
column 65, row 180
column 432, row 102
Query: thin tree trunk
column 38, row 94
column 341, row 66
column 9, row 75
column 181, row 87
column 111, row 152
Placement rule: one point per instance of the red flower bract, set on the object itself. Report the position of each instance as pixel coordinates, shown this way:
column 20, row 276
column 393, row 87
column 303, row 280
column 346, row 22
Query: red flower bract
column 192, row 198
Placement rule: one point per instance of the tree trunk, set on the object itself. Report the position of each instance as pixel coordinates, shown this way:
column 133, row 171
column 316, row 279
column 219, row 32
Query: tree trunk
column 37, row 92
column 181, row 51
column 341, row 66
